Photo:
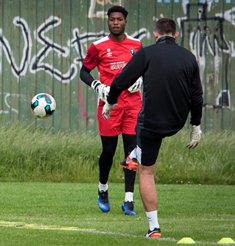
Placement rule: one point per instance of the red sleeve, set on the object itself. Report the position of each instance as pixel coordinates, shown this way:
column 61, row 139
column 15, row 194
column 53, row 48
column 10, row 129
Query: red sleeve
column 92, row 58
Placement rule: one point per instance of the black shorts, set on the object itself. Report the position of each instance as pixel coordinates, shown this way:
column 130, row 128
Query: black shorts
column 148, row 146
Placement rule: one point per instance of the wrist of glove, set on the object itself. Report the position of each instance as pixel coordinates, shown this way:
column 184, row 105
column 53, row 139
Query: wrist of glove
column 195, row 137
column 106, row 110
column 95, row 85
column 101, row 90
column 136, row 86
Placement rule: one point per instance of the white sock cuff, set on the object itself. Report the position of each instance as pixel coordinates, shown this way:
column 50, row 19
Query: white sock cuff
column 153, row 219
column 133, row 154
column 151, row 213
column 129, row 197
column 103, row 187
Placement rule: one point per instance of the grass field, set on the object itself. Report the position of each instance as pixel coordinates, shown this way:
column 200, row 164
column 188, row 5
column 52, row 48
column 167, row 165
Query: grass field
column 37, row 155
column 67, row 214
column 52, row 196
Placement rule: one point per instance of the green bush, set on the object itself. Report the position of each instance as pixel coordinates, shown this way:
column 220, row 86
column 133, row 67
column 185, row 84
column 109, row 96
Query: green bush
column 40, row 155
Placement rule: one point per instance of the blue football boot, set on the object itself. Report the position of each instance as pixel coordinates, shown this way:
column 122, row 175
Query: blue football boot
column 103, row 201
column 128, row 208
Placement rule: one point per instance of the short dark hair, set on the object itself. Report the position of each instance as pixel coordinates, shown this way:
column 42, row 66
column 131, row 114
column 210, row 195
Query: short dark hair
column 165, row 26
column 117, row 8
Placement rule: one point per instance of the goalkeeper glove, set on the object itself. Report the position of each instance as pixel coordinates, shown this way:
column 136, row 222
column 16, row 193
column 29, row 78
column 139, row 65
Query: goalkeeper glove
column 106, row 109
column 195, row 137
column 101, row 89
column 136, row 86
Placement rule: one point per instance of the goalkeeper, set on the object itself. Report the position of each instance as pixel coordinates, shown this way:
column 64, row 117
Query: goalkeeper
column 171, row 89
column 110, row 54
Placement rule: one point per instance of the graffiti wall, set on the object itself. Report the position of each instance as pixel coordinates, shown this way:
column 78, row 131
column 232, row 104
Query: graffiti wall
column 43, row 43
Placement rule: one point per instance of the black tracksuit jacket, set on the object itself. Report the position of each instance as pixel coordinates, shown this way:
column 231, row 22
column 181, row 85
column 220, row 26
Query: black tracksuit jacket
column 171, row 86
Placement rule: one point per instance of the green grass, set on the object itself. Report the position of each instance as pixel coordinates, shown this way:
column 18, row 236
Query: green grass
column 203, row 212
column 38, row 155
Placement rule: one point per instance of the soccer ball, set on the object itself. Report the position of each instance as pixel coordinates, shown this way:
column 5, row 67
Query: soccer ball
column 43, row 105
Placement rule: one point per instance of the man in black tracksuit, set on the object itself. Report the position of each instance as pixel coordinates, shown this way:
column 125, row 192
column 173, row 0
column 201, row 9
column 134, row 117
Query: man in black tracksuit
column 171, row 89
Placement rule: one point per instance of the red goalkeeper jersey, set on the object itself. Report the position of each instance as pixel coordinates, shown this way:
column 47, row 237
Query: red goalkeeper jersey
column 110, row 57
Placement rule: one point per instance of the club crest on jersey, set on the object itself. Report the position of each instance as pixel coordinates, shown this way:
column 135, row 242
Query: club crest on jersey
column 132, row 51
column 109, row 52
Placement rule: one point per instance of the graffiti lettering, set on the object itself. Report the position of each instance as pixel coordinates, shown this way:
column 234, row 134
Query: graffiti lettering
column 7, row 98
column 207, row 31
column 21, row 70
column 50, row 47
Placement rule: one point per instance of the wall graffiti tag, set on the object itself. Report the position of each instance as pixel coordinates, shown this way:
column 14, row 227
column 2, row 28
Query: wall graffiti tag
column 22, row 68
column 37, row 62
column 30, row 52
column 208, row 32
